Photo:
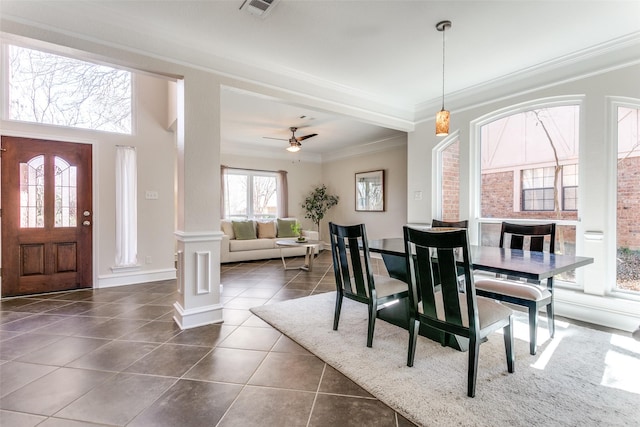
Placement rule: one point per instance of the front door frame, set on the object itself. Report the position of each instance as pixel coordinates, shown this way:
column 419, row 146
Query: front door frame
column 94, row 190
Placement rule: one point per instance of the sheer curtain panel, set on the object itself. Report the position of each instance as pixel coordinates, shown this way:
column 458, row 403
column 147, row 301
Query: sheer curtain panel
column 126, row 207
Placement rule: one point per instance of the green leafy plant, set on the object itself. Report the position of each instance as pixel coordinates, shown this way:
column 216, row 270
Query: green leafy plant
column 296, row 228
column 317, row 203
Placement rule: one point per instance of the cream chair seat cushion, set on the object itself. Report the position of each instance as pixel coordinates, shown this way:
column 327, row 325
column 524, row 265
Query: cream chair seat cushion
column 385, row 286
column 489, row 311
column 523, row 290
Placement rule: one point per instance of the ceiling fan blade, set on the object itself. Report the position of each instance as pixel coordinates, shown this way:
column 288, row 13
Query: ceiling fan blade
column 302, row 138
column 279, row 139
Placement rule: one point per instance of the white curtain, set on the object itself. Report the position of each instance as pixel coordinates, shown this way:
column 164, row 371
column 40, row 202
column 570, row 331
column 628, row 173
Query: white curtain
column 126, row 207
column 283, row 195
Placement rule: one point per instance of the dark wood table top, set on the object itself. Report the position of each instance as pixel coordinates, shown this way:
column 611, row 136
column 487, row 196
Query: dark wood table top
column 527, row 264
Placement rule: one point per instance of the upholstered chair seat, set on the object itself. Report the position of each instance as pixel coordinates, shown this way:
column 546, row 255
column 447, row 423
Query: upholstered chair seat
column 522, row 290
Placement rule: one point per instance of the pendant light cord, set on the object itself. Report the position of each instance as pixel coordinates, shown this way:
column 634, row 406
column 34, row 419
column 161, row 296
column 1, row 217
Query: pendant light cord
column 443, row 31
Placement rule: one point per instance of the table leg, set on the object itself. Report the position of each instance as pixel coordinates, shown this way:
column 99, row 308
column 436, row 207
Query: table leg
column 308, row 260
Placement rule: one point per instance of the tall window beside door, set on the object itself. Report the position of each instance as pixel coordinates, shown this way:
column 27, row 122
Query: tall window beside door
column 126, row 207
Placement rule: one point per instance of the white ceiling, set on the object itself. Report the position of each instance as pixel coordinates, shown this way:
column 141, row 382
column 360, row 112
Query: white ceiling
column 382, row 57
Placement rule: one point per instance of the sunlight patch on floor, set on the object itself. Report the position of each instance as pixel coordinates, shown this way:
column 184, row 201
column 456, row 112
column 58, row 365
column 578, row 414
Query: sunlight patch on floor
column 622, row 365
column 545, row 356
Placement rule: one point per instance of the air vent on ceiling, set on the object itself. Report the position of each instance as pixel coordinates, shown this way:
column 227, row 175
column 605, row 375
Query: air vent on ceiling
column 258, row 7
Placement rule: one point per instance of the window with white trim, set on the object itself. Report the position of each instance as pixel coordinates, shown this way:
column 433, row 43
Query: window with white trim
column 57, row 90
column 539, row 186
column 250, row 194
column 529, row 163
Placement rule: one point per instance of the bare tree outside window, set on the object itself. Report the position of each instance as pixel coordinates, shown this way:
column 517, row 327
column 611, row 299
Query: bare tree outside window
column 56, row 90
column 265, row 202
column 250, row 194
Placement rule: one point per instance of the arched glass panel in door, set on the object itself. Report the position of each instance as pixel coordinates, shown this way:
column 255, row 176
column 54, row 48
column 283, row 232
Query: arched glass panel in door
column 32, row 193
column 66, row 193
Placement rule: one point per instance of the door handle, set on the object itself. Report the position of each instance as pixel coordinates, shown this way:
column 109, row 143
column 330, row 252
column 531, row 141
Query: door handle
column 86, row 223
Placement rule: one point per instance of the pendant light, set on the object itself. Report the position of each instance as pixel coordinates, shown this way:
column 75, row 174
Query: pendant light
column 442, row 118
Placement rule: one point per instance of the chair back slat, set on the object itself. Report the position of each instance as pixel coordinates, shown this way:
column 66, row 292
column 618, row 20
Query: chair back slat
column 351, row 267
column 426, row 281
column 535, row 235
column 449, row 285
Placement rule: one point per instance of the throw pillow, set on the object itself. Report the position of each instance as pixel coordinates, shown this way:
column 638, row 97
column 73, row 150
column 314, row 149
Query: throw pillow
column 244, row 230
column 227, row 228
column 266, row 230
column 284, row 228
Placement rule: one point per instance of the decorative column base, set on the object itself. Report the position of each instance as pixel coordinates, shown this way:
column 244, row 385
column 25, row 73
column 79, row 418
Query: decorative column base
column 198, row 279
column 187, row 319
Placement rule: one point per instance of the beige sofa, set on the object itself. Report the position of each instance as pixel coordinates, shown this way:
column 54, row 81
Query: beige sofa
column 236, row 247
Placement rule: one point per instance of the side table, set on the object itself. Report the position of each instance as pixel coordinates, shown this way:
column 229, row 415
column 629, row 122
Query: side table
column 309, row 255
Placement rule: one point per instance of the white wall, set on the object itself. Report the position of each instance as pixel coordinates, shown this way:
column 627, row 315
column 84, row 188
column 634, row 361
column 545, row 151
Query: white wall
column 339, row 176
column 155, row 155
column 597, row 180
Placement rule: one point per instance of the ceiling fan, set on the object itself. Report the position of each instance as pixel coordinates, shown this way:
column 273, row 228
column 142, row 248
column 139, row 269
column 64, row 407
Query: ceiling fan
column 294, row 142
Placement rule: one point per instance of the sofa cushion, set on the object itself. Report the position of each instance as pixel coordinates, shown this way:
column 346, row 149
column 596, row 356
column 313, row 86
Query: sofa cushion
column 244, row 230
column 284, row 228
column 251, row 245
column 227, row 228
column 266, row 230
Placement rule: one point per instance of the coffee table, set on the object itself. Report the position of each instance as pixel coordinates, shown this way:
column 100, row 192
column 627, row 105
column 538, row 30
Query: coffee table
column 309, row 255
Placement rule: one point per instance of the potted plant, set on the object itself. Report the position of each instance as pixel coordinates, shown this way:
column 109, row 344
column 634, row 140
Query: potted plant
column 317, row 203
column 296, row 228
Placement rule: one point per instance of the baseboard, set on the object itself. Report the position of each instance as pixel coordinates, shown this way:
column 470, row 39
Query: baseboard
column 136, row 277
column 609, row 311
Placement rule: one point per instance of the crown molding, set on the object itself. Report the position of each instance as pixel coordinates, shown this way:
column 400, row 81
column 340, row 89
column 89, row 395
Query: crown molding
column 368, row 148
column 615, row 54
column 175, row 50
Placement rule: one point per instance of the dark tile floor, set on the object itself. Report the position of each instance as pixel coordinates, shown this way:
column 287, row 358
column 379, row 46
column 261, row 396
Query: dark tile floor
column 115, row 357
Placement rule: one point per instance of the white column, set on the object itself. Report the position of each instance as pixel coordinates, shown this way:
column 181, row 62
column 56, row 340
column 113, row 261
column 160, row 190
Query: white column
column 198, row 280
column 198, row 201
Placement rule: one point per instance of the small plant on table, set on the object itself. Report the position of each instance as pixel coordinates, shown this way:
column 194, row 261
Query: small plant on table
column 297, row 230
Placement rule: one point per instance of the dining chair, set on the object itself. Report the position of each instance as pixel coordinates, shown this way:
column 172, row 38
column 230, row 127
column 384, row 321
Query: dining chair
column 354, row 277
column 531, row 294
column 436, row 302
column 436, row 223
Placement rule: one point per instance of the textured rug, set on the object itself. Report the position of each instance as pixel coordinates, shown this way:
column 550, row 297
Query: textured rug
column 581, row 377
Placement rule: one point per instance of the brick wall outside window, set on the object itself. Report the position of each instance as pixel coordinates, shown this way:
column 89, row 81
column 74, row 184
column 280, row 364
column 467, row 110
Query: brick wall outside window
column 629, row 203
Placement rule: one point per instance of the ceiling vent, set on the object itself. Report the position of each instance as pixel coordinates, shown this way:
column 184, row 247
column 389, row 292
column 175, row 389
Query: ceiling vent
column 258, row 7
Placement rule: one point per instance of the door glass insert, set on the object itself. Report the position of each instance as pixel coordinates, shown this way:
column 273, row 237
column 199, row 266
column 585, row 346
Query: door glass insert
column 66, row 205
column 32, row 193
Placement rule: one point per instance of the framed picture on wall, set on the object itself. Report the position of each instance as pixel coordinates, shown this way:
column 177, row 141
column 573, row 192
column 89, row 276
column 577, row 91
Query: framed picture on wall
column 370, row 191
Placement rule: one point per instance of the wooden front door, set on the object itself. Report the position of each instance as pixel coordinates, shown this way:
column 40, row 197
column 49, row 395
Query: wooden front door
column 46, row 216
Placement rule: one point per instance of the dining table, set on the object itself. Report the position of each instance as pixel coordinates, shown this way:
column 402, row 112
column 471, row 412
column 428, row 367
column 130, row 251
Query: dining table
column 512, row 262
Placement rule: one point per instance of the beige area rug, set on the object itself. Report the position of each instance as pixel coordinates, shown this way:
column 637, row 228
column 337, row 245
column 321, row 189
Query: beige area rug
column 582, row 377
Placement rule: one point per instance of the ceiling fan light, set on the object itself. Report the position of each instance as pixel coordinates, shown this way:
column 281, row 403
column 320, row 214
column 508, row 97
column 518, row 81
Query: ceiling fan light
column 442, row 123
column 293, row 148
